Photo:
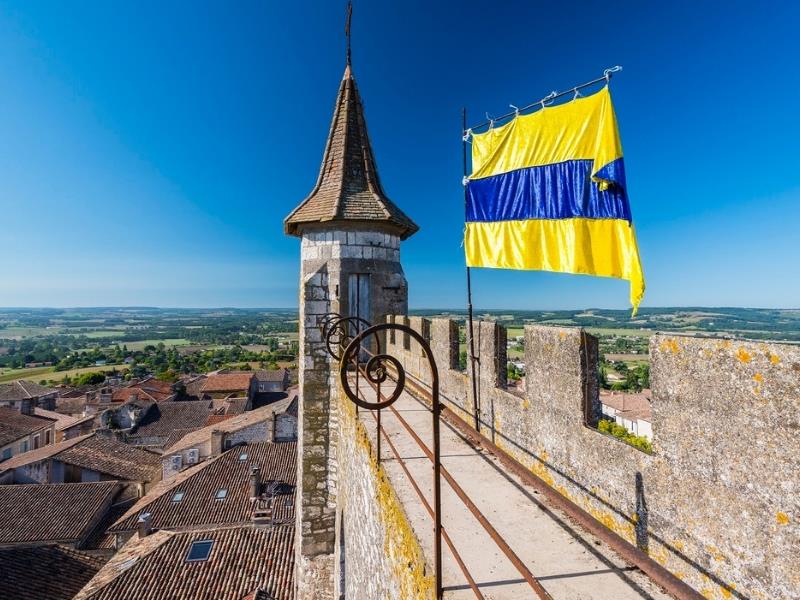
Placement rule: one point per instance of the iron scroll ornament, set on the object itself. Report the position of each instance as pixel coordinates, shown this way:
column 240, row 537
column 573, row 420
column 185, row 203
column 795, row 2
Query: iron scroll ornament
column 338, row 333
column 325, row 321
column 376, row 370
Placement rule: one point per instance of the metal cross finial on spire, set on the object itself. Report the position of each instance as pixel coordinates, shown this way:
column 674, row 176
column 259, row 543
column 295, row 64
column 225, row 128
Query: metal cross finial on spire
column 347, row 29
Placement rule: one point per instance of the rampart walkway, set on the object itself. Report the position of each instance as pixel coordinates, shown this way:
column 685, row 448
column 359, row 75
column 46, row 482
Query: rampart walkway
column 568, row 562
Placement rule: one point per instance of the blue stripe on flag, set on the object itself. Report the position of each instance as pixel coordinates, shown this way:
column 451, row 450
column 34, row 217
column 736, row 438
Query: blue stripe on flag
column 558, row 191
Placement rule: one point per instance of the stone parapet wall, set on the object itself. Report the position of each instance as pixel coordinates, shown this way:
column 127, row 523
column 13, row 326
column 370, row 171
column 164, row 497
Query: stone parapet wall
column 718, row 501
column 378, row 553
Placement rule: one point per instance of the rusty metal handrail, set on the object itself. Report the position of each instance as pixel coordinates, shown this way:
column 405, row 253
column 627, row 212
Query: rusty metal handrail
column 326, row 322
column 658, row 573
column 512, row 556
column 459, row 561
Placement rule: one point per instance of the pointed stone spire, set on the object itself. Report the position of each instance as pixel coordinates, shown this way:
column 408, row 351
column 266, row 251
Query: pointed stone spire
column 348, row 188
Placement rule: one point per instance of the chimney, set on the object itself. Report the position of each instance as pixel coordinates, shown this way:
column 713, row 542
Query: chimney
column 255, row 483
column 216, row 442
column 144, row 525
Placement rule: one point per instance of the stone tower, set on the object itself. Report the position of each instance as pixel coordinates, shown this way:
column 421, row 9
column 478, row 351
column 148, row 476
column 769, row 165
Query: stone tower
column 350, row 264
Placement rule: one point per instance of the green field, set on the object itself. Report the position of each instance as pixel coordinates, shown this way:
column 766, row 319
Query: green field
column 38, row 374
column 629, row 359
column 31, row 374
column 513, row 332
column 102, row 333
column 135, row 346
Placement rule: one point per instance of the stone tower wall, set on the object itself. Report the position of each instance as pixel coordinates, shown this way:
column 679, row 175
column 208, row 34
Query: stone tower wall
column 328, row 256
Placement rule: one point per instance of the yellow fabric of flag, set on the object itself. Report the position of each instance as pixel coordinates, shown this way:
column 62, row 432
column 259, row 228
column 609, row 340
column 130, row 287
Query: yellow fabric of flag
column 548, row 193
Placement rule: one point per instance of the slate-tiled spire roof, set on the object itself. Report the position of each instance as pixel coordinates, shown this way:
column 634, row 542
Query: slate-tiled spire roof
column 348, row 187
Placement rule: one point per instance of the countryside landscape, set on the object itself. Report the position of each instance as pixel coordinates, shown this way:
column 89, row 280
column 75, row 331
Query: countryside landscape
column 52, row 346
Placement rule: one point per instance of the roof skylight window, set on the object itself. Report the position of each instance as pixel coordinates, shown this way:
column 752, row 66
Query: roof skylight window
column 243, row 456
column 221, row 494
column 178, row 496
column 200, row 550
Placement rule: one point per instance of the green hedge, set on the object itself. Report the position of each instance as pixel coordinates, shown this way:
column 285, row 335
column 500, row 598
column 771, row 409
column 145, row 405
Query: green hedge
column 619, row 432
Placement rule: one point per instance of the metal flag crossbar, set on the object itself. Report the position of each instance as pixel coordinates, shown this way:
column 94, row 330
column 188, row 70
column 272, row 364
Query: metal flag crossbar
column 543, row 102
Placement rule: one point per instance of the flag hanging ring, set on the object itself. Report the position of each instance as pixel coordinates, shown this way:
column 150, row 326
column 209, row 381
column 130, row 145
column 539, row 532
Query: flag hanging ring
column 607, row 73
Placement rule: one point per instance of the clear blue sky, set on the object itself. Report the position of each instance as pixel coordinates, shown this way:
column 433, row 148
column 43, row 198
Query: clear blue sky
column 149, row 151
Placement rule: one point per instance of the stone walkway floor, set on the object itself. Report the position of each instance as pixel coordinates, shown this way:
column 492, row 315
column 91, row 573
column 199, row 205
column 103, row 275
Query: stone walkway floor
column 568, row 562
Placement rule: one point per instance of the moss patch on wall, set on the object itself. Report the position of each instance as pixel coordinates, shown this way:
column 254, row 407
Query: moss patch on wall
column 401, row 548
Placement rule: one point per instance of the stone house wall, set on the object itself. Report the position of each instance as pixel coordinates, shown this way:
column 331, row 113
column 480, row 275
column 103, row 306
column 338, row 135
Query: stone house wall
column 257, row 432
column 168, row 469
column 38, row 472
column 263, row 431
column 285, row 428
column 718, row 501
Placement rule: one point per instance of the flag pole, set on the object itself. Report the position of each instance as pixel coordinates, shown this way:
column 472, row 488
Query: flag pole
column 470, row 328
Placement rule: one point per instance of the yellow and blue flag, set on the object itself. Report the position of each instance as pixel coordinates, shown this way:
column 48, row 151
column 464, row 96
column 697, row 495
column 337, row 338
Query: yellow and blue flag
column 547, row 192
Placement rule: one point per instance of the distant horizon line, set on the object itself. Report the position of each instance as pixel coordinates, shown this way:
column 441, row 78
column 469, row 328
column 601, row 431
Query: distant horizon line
column 441, row 309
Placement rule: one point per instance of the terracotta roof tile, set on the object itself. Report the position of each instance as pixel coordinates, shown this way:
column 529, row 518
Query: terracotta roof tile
column 110, row 457
column 43, row 453
column 54, row 572
column 633, row 406
column 177, row 435
column 273, row 375
column 62, row 421
column 229, row 424
column 14, row 425
column 22, row 390
column 113, row 458
column 214, row 419
column 71, row 406
column 234, row 406
column 61, row 512
column 228, row 382
column 348, row 187
column 200, row 483
column 100, row 538
column 194, row 385
column 241, row 559
column 164, row 418
column 149, row 389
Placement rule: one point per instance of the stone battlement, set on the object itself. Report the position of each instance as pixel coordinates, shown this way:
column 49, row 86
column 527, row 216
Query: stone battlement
column 716, row 502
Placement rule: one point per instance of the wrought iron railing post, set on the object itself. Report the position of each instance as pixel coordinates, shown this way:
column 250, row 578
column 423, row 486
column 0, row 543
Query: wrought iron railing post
column 378, row 437
column 337, row 333
column 344, row 347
